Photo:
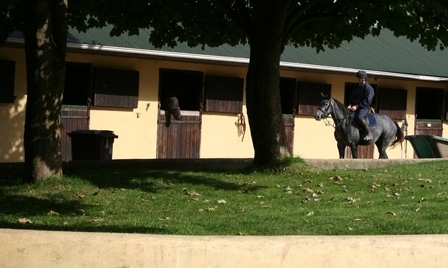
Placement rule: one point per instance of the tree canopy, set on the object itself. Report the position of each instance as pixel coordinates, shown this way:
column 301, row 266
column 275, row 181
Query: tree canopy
column 316, row 23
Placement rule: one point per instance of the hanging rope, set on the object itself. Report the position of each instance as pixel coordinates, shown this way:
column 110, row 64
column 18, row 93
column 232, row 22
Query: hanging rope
column 241, row 125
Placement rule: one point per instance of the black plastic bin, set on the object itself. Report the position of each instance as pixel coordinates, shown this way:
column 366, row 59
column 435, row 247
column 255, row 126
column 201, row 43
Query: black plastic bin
column 92, row 144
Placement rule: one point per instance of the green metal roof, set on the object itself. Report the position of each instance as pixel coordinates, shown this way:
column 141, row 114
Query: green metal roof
column 384, row 54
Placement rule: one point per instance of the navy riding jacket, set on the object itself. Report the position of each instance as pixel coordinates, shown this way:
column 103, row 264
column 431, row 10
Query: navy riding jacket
column 362, row 95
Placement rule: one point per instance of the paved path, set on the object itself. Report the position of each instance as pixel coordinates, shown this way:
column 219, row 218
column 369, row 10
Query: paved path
column 22, row 249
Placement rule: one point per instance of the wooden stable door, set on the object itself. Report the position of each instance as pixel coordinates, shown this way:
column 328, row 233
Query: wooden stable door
column 179, row 139
column 289, row 129
column 72, row 118
column 364, row 151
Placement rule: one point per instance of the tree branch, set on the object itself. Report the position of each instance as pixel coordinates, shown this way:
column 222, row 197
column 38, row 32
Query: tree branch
column 240, row 16
column 297, row 12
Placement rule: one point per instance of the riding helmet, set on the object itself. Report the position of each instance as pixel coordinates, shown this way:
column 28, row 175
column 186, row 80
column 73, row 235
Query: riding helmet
column 361, row 74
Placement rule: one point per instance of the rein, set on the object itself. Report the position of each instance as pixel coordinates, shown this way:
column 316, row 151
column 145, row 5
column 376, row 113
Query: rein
column 339, row 120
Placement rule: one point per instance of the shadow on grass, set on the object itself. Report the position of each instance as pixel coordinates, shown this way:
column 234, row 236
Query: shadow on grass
column 146, row 178
column 83, row 228
column 23, row 207
column 150, row 180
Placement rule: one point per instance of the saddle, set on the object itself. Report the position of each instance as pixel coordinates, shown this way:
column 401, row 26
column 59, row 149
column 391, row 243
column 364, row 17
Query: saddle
column 371, row 120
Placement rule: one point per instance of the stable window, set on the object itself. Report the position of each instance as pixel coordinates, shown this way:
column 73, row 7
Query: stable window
column 310, row 97
column 115, row 88
column 77, row 83
column 7, row 76
column 446, row 105
column 224, row 94
column 288, row 95
column 186, row 86
column 392, row 102
column 429, row 103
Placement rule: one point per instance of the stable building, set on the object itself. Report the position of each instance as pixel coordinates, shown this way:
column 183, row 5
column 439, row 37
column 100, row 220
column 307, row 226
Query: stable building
column 120, row 84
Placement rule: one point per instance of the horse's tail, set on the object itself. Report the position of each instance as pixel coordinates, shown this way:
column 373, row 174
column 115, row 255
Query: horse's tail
column 399, row 136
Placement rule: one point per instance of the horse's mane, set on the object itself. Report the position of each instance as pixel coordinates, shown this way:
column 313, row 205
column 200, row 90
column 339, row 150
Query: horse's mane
column 340, row 106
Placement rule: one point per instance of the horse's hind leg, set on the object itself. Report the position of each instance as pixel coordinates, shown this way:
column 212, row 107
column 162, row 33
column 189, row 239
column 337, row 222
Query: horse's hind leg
column 382, row 145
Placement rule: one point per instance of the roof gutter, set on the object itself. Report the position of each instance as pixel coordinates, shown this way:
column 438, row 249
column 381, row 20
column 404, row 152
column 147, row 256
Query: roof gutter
column 225, row 59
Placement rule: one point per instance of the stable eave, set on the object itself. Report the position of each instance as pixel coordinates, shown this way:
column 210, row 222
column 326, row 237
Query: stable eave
column 233, row 60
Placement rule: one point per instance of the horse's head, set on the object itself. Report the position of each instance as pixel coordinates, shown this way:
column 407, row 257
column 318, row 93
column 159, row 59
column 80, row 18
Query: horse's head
column 325, row 108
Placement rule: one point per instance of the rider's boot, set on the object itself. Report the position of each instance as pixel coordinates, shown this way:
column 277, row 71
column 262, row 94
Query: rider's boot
column 366, row 129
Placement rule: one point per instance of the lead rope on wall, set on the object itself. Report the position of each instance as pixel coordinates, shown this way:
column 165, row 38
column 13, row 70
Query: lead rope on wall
column 241, row 126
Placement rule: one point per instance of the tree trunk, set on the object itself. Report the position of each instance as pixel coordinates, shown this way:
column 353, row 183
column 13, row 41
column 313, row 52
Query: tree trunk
column 263, row 94
column 45, row 32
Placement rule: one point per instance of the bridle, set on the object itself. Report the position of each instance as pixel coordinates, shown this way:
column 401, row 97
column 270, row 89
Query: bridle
column 339, row 120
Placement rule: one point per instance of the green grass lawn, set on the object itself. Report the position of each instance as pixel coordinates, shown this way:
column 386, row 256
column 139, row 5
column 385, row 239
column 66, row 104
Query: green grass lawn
column 294, row 200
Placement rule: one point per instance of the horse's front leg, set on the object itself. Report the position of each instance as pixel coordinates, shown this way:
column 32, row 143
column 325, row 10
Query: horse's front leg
column 341, row 150
column 354, row 149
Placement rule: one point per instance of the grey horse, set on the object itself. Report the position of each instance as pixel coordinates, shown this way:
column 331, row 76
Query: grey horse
column 385, row 133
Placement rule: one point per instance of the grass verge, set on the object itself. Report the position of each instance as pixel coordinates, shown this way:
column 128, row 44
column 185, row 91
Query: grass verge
column 294, row 200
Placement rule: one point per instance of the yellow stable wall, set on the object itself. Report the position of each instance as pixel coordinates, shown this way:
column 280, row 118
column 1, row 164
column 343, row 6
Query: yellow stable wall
column 137, row 128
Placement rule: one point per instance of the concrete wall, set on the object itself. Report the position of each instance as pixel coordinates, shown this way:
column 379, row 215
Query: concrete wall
column 22, row 248
column 138, row 134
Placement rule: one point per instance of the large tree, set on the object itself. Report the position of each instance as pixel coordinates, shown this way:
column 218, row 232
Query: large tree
column 45, row 30
column 267, row 26
column 44, row 25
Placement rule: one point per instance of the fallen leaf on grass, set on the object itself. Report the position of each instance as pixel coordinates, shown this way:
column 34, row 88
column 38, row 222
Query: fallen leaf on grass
column 212, row 209
column 392, row 213
column 95, row 220
column 310, row 214
column 193, row 192
column 336, row 178
column 352, row 200
column 222, row 201
column 80, row 195
column 52, row 212
column 308, row 190
column 24, row 221
column 163, row 219
column 306, row 199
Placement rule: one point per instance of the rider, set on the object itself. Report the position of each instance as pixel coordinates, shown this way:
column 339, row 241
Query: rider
column 360, row 101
